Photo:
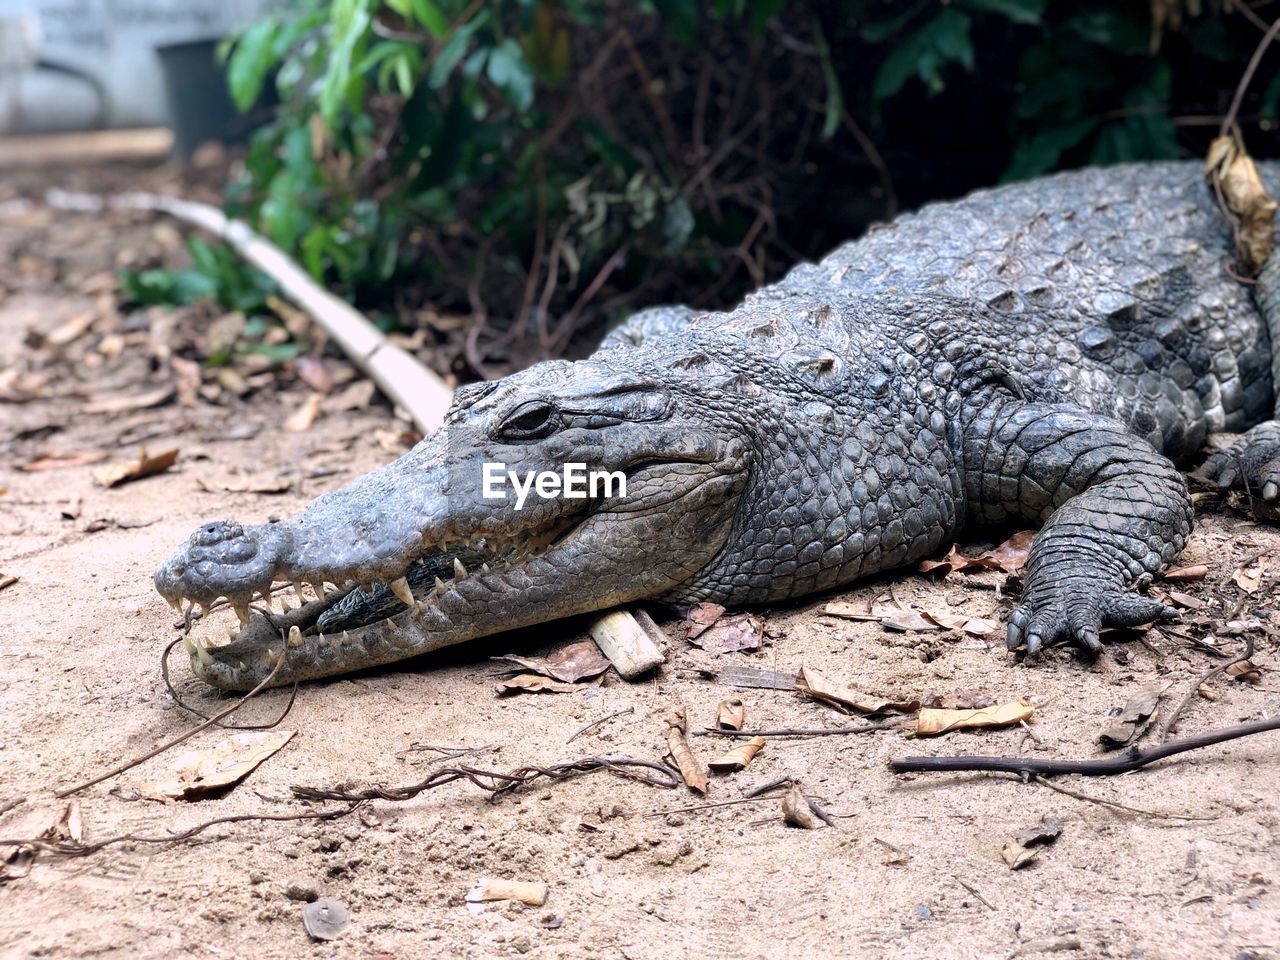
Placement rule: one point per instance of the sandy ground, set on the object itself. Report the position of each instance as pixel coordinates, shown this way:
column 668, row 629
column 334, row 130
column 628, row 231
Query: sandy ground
column 913, row 868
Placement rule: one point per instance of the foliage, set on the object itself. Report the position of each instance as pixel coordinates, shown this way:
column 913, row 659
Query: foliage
column 545, row 165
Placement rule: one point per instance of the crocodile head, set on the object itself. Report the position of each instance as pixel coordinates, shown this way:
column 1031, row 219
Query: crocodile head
column 439, row 547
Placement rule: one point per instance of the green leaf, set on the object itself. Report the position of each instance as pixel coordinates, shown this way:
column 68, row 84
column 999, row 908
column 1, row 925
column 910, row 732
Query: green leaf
column 1041, row 153
column 1019, row 11
column 835, row 96
column 510, row 72
column 1271, row 99
column 454, row 50
column 251, row 60
column 681, row 18
column 924, row 53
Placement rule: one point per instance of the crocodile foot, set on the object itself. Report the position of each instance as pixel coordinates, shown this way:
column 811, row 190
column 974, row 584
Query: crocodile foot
column 1074, row 606
column 1251, row 464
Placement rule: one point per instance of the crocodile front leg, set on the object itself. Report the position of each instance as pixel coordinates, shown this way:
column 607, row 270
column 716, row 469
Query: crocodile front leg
column 1115, row 514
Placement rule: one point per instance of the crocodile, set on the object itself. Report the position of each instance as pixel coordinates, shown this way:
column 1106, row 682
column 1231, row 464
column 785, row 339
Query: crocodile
column 1048, row 352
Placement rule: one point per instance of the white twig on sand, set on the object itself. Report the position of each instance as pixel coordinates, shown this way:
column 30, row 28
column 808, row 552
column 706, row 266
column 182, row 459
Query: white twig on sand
column 409, row 384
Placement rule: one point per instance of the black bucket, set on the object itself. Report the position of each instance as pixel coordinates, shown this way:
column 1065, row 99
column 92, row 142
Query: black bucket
column 200, row 106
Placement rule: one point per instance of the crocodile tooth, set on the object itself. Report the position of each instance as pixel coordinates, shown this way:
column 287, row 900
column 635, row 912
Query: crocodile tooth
column 484, row 568
column 297, row 592
column 322, row 639
column 241, row 666
column 319, row 589
column 439, row 585
column 204, row 611
column 295, row 636
column 241, row 607
column 459, row 570
column 186, row 642
column 390, row 624
column 175, row 603
column 231, row 633
column 401, row 589
column 346, row 638
column 203, row 654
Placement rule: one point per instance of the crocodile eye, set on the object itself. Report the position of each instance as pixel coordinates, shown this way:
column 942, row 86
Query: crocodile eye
column 530, row 421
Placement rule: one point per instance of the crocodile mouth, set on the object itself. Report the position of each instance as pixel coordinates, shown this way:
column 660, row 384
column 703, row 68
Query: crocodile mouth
column 434, row 597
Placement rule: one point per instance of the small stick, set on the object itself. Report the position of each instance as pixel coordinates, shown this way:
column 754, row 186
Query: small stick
column 1112, row 803
column 767, row 787
column 595, row 723
column 72, row 849
column 708, row 806
column 130, row 764
column 164, row 672
column 1208, row 675
column 799, row 732
column 974, row 890
column 1132, row 759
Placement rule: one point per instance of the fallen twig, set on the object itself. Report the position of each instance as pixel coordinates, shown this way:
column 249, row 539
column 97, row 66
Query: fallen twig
column 69, row 848
column 1156, row 814
column 212, row 721
column 1132, row 759
column 396, row 372
column 799, row 732
column 164, row 673
column 595, row 723
column 498, row 783
column 1176, row 713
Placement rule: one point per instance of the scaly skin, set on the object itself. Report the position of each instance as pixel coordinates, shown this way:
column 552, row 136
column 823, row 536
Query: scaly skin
column 1041, row 353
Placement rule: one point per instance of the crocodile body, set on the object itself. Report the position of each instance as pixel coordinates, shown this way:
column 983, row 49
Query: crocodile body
column 1044, row 352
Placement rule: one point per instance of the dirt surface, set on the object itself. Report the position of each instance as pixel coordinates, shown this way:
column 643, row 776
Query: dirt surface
column 913, row 868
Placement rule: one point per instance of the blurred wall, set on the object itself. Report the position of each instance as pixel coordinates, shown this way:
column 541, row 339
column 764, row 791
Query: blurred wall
column 111, row 44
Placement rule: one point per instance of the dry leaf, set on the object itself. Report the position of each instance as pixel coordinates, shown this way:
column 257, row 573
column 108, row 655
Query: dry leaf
column 244, row 484
column 1197, row 572
column 893, row 856
column 731, row 714
column 693, row 773
column 356, row 396
column 1185, row 600
column 1025, row 845
column 1009, row 557
column 144, row 466
column 974, row 626
column 1249, row 577
column 742, row 631
column 141, row 401
column 932, row 722
column 71, row 329
column 795, row 809
column 197, row 773
column 488, row 889
column 568, row 664
column 958, row 700
column 300, row 420
column 815, row 685
column 69, row 827
column 55, row 461
column 1245, row 671
column 1234, row 177
column 739, row 757
column 7, row 580
column 700, row 617
column 312, row 371
column 533, row 683
column 1132, row 720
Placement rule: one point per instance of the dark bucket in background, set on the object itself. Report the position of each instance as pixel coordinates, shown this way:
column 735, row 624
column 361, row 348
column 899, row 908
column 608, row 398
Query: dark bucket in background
column 200, row 107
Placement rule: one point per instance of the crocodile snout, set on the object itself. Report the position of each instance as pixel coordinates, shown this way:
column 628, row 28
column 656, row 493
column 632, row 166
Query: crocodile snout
column 222, row 558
